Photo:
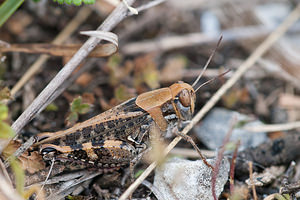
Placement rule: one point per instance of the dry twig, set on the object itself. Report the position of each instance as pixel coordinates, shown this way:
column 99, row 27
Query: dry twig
column 219, row 158
column 191, row 153
column 66, row 50
column 251, row 180
column 274, row 127
column 232, row 167
column 261, row 49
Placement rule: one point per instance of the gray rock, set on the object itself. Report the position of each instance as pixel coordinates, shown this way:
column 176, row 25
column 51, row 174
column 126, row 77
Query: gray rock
column 218, row 122
column 189, row 180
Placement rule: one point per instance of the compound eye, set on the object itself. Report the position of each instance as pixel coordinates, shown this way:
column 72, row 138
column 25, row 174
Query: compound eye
column 184, row 98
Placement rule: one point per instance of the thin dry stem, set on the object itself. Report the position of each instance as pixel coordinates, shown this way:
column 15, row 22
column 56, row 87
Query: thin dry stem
column 191, row 153
column 232, row 167
column 261, row 49
column 274, row 127
column 48, row 175
column 149, row 5
column 219, row 158
column 251, row 180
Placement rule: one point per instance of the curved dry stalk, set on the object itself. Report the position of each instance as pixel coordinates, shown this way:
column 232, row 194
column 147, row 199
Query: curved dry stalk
column 252, row 59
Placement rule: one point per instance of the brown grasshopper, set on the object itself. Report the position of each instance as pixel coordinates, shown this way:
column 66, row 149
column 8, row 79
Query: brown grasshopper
column 114, row 138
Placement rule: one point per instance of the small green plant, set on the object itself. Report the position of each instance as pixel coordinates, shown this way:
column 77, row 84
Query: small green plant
column 77, row 107
column 19, row 175
column 7, row 8
column 75, row 2
column 5, row 130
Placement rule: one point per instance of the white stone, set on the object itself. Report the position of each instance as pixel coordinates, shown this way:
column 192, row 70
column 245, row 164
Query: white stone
column 189, row 180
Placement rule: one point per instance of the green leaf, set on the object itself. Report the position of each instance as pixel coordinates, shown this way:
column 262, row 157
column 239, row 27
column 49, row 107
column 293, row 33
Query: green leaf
column 121, row 93
column 72, row 118
column 8, row 8
column 282, row 197
column 114, row 60
column 60, row 1
column 230, row 146
column 5, row 93
column 6, row 131
column 77, row 2
column 138, row 173
column 241, row 123
column 51, row 107
column 152, row 79
column 75, row 105
column 84, row 108
column 69, row 2
column 79, row 107
column 3, row 112
column 19, row 175
column 89, row 1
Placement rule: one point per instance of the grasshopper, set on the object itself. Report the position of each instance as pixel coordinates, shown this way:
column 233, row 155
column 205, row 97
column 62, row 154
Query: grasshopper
column 112, row 139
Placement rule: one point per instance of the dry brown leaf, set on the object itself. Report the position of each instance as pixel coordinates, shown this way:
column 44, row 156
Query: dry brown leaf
column 236, row 95
column 18, row 22
column 84, row 79
column 32, row 163
column 88, row 98
column 11, row 148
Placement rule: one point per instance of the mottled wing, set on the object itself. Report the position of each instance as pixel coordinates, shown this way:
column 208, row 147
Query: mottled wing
column 116, row 123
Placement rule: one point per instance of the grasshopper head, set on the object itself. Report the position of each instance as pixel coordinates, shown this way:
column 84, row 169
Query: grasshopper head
column 184, row 100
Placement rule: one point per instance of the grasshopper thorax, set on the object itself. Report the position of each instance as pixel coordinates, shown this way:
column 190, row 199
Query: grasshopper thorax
column 180, row 96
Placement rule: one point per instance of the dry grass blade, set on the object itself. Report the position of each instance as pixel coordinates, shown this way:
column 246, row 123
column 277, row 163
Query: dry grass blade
column 251, row 179
column 261, row 49
column 274, row 127
column 67, row 50
column 103, row 35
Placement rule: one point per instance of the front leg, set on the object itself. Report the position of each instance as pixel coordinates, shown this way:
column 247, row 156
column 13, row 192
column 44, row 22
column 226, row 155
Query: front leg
column 187, row 138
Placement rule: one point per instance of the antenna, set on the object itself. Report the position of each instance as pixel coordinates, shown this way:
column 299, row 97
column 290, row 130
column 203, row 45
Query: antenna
column 220, row 75
column 207, row 62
